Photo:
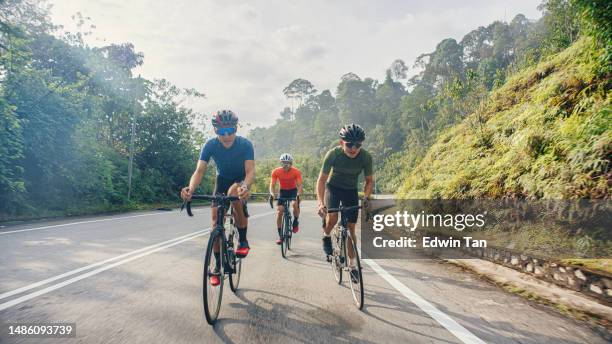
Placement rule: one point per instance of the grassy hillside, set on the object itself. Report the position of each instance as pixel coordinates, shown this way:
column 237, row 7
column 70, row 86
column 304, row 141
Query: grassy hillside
column 544, row 134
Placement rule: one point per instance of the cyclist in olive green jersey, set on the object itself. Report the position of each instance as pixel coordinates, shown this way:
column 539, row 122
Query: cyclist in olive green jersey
column 338, row 179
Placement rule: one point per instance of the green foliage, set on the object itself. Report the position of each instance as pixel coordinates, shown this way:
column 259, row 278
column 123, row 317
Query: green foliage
column 544, row 134
column 65, row 116
column 453, row 81
column 560, row 22
column 596, row 18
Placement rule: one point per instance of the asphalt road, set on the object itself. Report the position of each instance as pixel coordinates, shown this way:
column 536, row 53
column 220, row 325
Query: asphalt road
column 136, row 278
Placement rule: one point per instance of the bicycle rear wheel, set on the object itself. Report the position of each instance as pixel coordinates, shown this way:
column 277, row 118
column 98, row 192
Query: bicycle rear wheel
column 235, row 262
column 212, row 295
column 356, row 286
column 337, row 256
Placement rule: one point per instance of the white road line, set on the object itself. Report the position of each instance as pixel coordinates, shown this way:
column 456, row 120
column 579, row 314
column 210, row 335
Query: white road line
column 451, row 325
column 53, row 287
column 75, row 271
column 82, row 222
column 147, row 251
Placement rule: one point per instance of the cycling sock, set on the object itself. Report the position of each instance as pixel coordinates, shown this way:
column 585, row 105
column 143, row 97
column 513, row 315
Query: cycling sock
column 242, row 234
column 295, row 222
column 279, row 232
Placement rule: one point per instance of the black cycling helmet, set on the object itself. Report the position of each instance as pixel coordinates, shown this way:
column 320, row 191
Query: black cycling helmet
column 224, row 118
column 352, row 133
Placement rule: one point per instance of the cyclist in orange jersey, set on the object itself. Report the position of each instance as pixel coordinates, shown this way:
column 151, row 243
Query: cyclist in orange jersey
column 290, row 179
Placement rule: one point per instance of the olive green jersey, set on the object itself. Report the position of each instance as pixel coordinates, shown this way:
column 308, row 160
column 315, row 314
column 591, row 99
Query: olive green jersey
column 344, row 170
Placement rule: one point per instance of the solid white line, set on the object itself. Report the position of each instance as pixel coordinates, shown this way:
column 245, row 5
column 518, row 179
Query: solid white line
column 75, row 271
column 451, row 325
column 51, row 288
column 147, row 251
column 82, row 222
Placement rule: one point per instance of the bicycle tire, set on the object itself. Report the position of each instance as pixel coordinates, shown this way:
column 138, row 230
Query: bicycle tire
column 284, row 238
column 356, row 287
column 211, row 311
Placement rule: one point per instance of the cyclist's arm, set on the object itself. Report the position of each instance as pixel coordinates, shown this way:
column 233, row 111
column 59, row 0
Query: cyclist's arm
column 368, row 186
column 299, row 188
column 199, row 172
column 249, row 168
column 273, row 185
column 299, row 183
column 369, row 177
column 321, row 187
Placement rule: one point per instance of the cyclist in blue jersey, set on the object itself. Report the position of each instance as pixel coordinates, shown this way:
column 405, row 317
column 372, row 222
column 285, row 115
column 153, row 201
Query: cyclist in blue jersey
column 235, row 161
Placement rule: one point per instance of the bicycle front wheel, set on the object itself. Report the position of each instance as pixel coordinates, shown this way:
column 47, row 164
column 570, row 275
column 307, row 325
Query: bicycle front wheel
column 213, row 266
column 356, row 279
column 284, row 239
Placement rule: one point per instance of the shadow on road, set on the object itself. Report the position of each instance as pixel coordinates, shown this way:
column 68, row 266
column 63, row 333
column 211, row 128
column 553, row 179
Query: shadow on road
column 291, row 320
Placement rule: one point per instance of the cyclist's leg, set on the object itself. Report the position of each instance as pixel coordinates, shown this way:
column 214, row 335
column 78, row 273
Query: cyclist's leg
column 351, row 198
column 295, row 211
column 240, row 219
column 221, row 186
column 331, row 201
column 279, row 222
column 279, row 212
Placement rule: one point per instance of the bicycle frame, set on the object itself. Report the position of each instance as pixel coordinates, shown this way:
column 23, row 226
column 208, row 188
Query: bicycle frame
column 220, row 225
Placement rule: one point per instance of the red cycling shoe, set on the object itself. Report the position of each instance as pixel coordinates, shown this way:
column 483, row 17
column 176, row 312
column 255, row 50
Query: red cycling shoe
column 214, row 278
column 243, row 249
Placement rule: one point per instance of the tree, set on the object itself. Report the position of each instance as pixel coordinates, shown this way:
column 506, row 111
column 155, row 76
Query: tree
column 561, row 23
column 299, row 89
column 286, row 114
column 398, row 70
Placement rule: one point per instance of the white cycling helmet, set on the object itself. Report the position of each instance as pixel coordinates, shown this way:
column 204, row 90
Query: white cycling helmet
column 286, row 157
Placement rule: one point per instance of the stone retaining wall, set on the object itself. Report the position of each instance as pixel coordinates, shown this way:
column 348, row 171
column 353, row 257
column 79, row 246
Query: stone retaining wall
column 593, row 283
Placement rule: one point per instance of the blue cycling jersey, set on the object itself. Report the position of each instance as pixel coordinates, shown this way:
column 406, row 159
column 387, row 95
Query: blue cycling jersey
column 229, row 161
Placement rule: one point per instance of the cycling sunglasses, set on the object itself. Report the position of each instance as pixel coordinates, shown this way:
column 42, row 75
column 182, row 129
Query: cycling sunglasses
column 357, row 145
column 226, row 131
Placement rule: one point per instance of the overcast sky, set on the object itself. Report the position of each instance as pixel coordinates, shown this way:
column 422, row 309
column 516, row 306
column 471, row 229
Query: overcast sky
column 241, row 54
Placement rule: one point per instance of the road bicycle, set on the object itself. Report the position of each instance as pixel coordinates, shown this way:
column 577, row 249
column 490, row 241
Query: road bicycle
column 225, row 264
column 286, row 229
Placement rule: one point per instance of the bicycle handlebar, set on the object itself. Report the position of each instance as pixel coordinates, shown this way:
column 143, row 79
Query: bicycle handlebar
column 217, row 198
column 282, row 199
column 343, row 209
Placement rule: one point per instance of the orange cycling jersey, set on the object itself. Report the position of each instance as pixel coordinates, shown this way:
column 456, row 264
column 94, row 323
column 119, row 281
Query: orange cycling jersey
column 288, row 179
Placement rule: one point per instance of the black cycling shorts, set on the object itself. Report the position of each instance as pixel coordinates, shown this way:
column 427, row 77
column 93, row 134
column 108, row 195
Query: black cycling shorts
column 334, row 196
column 291, row 193
column 222, row 186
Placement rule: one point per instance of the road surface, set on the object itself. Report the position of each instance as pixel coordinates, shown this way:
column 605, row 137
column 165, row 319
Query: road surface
column 136, row 278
